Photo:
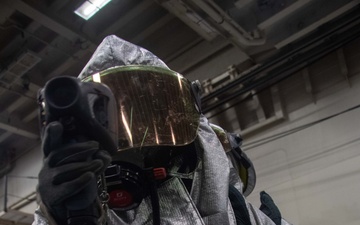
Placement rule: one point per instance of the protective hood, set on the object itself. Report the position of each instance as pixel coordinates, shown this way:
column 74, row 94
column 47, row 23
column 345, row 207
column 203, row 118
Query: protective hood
column 155, row 105
column 206, row 201
column 114, row 51
column 210, row 179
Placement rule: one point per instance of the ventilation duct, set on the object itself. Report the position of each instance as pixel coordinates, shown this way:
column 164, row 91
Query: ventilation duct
column 18, row 67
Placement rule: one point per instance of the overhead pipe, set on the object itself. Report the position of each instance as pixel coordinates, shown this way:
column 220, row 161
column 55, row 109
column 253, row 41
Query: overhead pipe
column 288, row 52
column 285, row 70
column 228, row 18
column 221, row 20
column 28, row 199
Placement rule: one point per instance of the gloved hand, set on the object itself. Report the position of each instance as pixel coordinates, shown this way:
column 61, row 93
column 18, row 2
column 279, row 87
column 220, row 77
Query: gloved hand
column 68, row 171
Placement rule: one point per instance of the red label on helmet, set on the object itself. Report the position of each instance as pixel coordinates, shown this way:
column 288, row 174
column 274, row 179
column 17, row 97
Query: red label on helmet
column 120, row 198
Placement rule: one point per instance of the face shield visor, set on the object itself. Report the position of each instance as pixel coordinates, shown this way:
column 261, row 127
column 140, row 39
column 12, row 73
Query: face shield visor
column 155, row 106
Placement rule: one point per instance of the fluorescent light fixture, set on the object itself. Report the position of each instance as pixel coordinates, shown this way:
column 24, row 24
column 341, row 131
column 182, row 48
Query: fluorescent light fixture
column 96, row 78
column 90, row 7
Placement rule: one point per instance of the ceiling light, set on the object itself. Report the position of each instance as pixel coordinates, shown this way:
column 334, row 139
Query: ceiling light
column 90, row 7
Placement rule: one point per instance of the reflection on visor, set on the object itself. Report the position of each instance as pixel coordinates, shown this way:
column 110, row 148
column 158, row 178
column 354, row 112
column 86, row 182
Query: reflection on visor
column 155, row 106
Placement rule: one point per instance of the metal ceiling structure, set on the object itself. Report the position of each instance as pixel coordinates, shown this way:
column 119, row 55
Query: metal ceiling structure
column 264, row 41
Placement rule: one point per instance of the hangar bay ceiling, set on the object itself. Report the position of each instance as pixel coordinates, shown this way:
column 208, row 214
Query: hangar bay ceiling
column 236, row 48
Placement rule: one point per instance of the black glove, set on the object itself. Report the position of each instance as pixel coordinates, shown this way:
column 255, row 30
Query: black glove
column 269, row 208
column 69, row 173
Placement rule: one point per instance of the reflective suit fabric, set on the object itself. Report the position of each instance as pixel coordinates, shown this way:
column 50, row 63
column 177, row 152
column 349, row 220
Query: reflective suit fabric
column 207, row 202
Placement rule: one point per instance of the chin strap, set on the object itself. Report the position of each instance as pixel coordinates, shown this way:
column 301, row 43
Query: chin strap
column 152, row 176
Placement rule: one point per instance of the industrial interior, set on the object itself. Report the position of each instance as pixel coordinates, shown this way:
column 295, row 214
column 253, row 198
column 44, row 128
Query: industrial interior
column 284, row 74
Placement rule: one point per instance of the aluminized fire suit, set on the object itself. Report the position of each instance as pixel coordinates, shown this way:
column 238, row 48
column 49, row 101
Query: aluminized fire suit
column 207, row 201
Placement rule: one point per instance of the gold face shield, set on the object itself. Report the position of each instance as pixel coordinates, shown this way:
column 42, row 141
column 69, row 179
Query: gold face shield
column 155, row 106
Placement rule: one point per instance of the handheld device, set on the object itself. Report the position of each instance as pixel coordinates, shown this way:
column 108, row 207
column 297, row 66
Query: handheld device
column 87, row 111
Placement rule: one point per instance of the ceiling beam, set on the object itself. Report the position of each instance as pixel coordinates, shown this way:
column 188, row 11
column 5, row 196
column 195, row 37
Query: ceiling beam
column 58, row 5
column 20, row 101
column 71, row 60
column 197, row 54
column 33, row 88
column 46, row 21
column 5, row 135
column 60, row 70
column 14, row 46
column 343, row 65
column 277, row 101
column 151, row 29
column 31, row 116
column 5, row 12
column 14, row 125
column 259, row 109
column 127, row 18
column 26, row 119
column 282, row 14
column 318, row 23
column 42, row 18
column 309, row 87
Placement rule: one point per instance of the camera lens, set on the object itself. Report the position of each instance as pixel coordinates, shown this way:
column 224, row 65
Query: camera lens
column 62, row 92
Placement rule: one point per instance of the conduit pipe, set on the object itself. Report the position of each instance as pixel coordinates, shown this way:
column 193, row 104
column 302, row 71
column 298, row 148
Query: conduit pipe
column 289, row 67
column 286, row 54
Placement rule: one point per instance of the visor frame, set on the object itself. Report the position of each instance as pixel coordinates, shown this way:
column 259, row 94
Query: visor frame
column 156, row 70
